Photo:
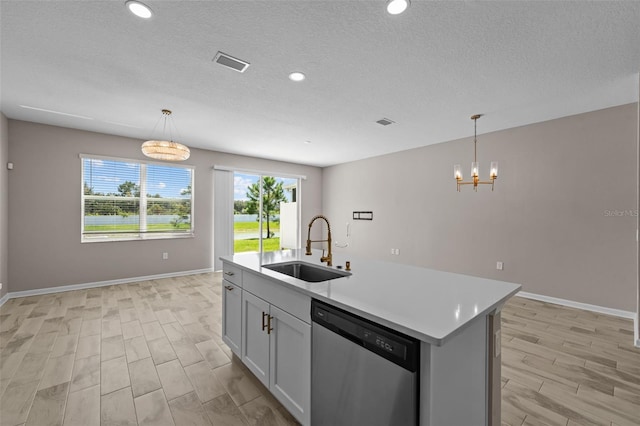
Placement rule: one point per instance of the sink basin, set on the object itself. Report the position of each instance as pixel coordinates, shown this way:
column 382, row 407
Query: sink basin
column 306, row 271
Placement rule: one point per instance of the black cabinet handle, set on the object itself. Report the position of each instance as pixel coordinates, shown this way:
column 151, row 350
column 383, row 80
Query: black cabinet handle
column 269, row 328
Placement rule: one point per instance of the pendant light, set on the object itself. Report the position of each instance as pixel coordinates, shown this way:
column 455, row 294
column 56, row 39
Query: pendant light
column 493, row 170
column 164, row 149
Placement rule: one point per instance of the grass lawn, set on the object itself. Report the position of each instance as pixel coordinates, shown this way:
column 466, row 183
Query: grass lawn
column 251, row 244
column 239, row 246
column 268, row 244
column 247, row 227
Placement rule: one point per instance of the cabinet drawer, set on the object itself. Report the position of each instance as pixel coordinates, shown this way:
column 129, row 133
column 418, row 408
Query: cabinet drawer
column 297, row 304
column 232, row 273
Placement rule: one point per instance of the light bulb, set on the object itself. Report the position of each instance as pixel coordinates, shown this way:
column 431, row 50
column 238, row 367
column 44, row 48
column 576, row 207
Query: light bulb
column 457, row 172
column 493, row 170
column 474, row 169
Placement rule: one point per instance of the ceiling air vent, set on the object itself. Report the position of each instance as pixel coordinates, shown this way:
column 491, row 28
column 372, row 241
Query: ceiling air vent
column 385, row 121
column 230, row 62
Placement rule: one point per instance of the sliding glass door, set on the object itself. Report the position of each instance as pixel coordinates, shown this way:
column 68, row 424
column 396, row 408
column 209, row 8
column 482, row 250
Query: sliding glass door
column 265, row 213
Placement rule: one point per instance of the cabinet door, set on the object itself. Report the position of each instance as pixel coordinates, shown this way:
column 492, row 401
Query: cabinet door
column 290, row 361
column 231, row 316
column 255, row 337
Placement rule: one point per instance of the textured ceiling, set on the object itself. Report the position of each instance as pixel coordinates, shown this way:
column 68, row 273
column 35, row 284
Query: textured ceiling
column 429, row 70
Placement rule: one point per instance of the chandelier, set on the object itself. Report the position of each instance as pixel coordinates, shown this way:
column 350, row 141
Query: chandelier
column 475, row 179
column 164, row 149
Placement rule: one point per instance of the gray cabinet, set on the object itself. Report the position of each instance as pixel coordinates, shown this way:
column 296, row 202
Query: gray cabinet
column 268, row 326
column 231, row 316
column 290, row 363
column 255, row 335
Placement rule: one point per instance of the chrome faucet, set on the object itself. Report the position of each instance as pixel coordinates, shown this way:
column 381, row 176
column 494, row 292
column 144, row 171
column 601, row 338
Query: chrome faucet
column 328, row 240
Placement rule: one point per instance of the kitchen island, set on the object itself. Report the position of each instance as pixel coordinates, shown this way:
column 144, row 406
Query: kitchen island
column 455, row 317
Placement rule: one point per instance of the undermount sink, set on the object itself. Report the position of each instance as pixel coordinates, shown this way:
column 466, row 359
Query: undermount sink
column 306, row 271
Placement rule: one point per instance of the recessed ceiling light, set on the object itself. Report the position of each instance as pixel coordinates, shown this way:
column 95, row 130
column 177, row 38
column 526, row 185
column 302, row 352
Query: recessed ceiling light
column 296, row 76
column 307, row 142
column 141, row 10
column 396, row 7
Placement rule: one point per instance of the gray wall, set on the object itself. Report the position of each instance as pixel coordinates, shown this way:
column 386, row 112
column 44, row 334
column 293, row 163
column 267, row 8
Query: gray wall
column 551, row 219
column 44, row 195
column 4, row 204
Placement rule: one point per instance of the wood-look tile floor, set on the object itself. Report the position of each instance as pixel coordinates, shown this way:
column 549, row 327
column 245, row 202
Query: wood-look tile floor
column 150, row 353
column 569, row 367
column 147, row 353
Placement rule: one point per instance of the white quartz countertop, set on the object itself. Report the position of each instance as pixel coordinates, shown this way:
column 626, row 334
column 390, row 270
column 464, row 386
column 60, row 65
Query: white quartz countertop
column 429, row 305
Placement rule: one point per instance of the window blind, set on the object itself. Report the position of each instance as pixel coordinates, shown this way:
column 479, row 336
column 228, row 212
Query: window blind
column 126, row 199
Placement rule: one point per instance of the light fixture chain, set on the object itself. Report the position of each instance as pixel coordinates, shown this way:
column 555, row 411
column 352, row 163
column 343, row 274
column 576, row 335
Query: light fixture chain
column 167, row 116
column 475, row 140
column 173, row 129
column 164, row 126
column 153, row 131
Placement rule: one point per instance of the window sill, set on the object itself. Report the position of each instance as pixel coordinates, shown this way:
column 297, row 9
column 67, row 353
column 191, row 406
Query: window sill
column 134, row 237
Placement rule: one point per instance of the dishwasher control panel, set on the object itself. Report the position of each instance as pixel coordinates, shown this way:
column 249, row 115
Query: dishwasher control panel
column 385, row 343
column 390, row 344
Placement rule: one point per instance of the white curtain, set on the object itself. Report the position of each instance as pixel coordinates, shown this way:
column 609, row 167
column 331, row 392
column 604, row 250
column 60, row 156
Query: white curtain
column 222, row 216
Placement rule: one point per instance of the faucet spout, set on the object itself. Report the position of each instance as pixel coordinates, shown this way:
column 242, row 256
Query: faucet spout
column 324, row 258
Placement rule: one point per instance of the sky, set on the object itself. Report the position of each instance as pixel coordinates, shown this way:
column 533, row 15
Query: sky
column 242, row 181
column 105, row 176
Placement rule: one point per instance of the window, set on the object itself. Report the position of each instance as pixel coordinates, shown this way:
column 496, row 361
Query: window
column 133, row 200
column 277, row 227
column 239, row 196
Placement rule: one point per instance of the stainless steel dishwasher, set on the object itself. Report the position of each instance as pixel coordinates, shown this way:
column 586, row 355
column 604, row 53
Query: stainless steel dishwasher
column 361, row 373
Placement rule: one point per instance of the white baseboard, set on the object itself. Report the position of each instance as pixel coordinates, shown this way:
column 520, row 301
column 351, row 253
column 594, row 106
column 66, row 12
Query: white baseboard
column 579, row 305
column 59, row 289
column 588, row 307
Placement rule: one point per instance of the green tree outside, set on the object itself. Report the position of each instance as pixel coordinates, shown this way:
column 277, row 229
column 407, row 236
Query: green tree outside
column 182, row 209
column 129, row 189
column 239, row 206
column 272, row 195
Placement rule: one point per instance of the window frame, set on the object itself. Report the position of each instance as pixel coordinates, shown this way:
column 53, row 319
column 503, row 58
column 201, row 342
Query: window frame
column 223, row 206
column 142, row 200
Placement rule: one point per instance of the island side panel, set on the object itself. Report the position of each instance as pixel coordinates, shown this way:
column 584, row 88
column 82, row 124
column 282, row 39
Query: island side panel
column 495, row 368
column 454, row 379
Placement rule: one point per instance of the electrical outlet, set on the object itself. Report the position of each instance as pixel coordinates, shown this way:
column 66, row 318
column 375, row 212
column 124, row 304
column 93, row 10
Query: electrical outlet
column 397, row 252
column 499, row 266
column 393, row 251
column 165, row 256
column 0, row 286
